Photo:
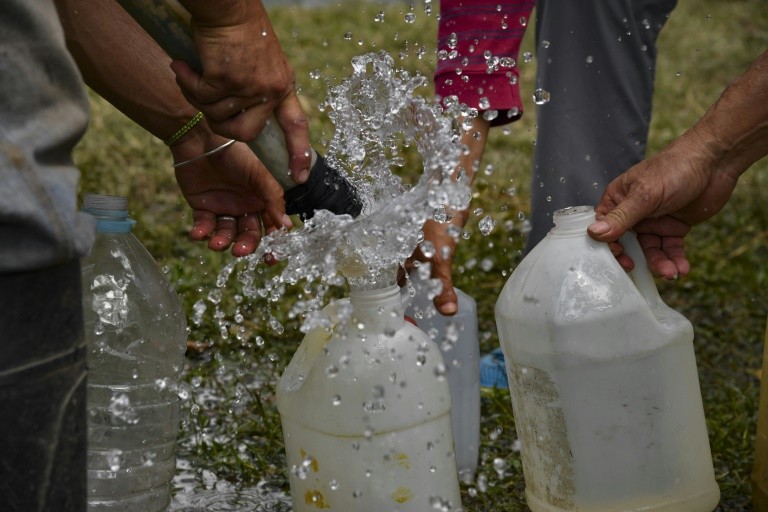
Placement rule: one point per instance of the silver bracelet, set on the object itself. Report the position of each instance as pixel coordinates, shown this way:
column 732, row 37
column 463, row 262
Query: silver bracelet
column 206, row 154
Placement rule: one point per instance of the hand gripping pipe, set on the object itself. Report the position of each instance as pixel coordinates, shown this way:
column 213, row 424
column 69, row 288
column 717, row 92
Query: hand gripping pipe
column 168, row 22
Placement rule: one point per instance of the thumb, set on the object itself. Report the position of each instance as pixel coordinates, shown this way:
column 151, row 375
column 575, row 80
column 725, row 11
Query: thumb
column 618, row 219
column 191, row 83
column 446, row 302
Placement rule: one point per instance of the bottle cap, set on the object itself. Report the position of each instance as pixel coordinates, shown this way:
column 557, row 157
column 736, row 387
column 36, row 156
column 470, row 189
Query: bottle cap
column 105, row 202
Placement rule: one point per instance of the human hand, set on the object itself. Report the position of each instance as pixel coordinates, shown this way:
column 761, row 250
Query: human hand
column 234, row 199
column 661, row 198
column 245, row 77
column 443, row 238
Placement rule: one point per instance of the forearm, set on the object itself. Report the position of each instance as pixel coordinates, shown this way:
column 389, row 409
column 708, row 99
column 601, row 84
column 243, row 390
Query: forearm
column 734, row 131
column 124, row 65
column 475, row 140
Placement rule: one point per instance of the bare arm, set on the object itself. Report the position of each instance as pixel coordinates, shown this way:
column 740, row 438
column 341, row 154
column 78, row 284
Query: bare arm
column 439, row 234
column 125, row 66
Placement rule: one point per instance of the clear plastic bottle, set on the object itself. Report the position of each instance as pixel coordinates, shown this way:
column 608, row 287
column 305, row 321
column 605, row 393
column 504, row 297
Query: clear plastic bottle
column 603, row 380
column 136, row 331
column 457, row 338
column 365, row 409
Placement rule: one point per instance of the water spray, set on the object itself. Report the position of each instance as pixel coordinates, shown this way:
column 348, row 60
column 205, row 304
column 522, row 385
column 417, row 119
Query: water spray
column 168, row 23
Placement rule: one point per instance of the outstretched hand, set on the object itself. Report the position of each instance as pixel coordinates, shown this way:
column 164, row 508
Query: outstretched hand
column 234, row 199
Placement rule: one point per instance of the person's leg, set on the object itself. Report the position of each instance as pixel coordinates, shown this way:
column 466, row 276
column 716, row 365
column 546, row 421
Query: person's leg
column 597, row 61
column 42, row 391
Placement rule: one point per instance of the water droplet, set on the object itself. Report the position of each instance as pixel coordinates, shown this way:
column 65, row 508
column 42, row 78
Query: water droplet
column 114, row 459
column 348, row 36
column 486, row 225
column 336, row 400
column 590, row 59
column 427, row 249
column 120, row 407
column 299, row 471
column 482, row 483
column 440, row 371
column 545, row 43
column 540, row 96
column 500, row 465
column 523, row 21
column 148, row 459
column 527, row 56
column 334, row 485
column 452, row 40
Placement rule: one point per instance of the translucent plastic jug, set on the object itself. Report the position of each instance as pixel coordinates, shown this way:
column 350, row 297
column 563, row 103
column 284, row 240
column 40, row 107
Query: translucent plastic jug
column 603, row 380
column 365, row 412
column 759, row 475
column 136, row 332
column 456, row 336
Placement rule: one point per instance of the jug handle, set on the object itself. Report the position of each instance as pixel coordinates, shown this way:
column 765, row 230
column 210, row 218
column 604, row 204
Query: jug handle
column 641, row 274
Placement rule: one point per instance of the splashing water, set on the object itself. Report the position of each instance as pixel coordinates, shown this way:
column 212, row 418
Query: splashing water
column 376, row 115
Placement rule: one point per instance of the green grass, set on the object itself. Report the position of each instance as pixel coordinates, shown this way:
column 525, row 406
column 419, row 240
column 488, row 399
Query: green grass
column 705, row 44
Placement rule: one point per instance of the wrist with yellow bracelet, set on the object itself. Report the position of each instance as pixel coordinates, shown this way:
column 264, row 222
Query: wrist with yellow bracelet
column 195, row 141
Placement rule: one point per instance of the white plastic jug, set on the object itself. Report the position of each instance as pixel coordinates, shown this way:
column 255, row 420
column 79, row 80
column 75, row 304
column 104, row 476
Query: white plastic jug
column 457, row 338
column 366, row 413
column 603, row 380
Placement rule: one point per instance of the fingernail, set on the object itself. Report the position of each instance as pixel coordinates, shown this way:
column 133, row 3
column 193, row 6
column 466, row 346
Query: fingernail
column 449, row 308
column 599, row 228
column 300, row 176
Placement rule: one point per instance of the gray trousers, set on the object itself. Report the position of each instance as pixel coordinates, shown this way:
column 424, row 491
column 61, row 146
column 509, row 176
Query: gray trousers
column 43, row 113
column 42, row 391
column 596, row 58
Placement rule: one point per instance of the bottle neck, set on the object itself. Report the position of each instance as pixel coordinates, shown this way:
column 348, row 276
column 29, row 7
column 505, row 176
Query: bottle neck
column 111, row 213
column 573, row 220
column 378, row 309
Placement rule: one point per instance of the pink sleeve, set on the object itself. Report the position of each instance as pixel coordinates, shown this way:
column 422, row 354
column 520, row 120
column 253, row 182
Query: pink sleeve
column 478, row 45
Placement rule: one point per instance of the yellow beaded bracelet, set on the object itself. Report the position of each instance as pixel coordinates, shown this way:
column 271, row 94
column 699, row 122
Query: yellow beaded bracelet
column 184, row 129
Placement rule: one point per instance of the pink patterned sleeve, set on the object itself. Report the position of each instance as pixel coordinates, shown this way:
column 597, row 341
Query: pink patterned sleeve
column 478, row 45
